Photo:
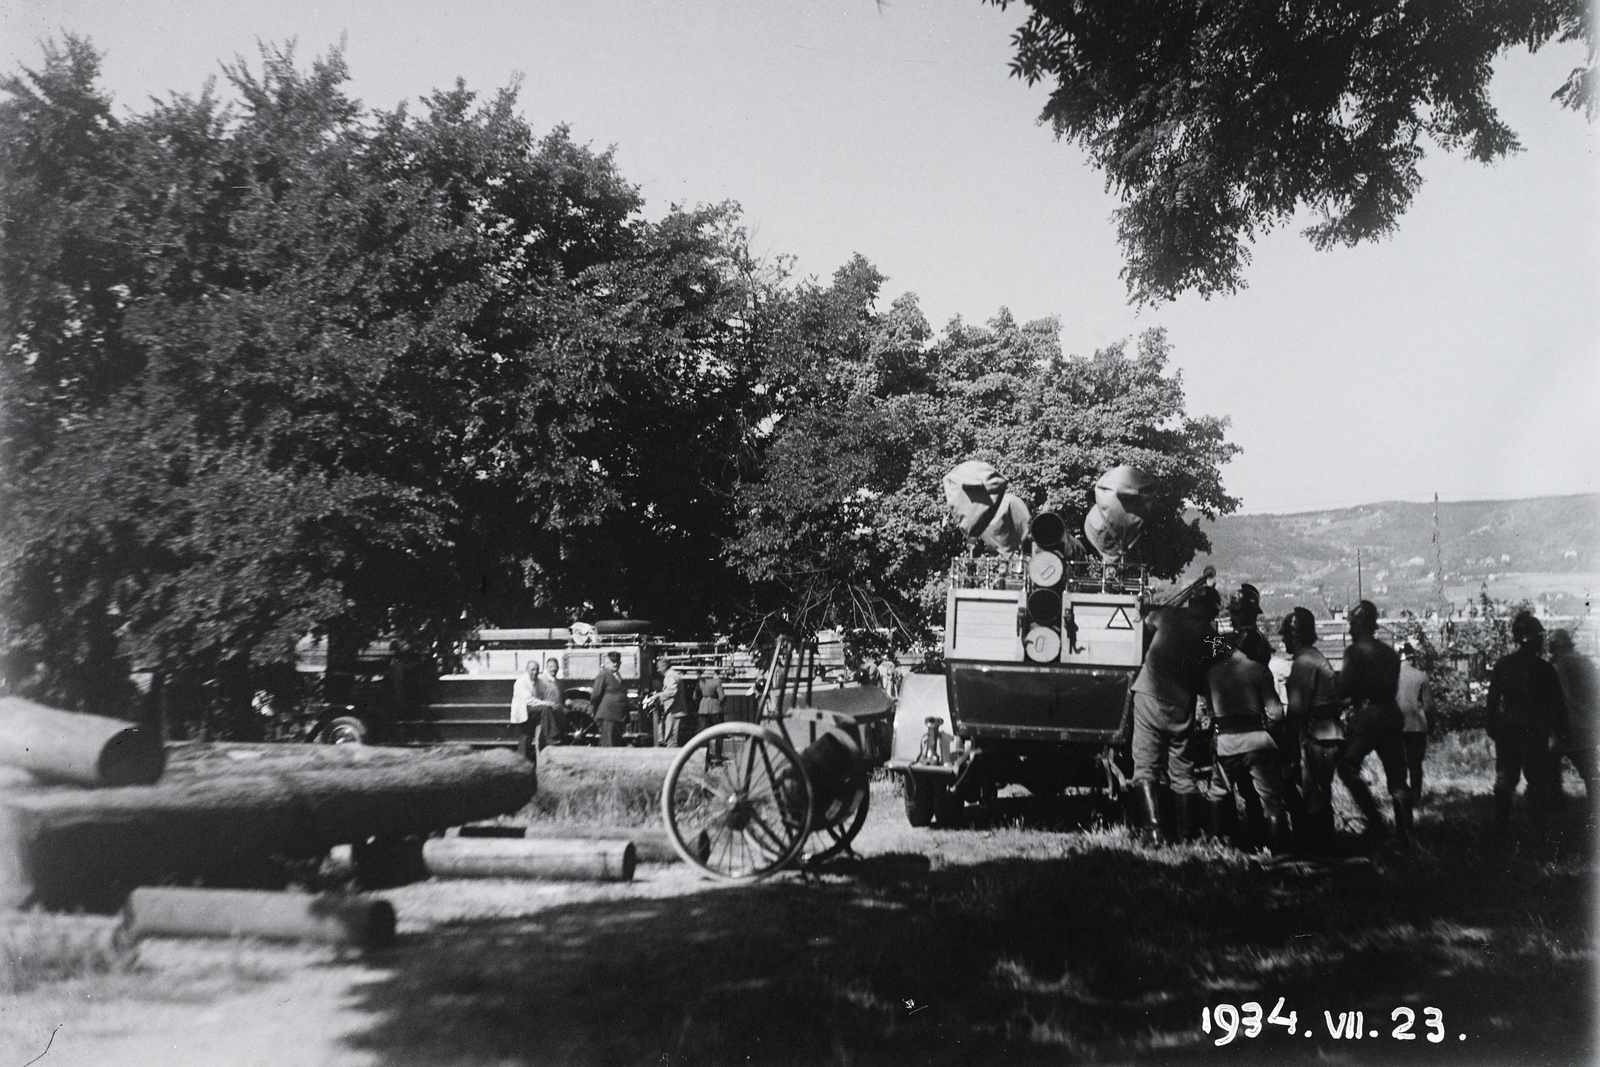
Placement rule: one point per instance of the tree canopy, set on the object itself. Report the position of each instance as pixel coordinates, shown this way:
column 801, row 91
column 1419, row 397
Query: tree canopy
column 275, row 363
column 1215, row 122
column 848, row 527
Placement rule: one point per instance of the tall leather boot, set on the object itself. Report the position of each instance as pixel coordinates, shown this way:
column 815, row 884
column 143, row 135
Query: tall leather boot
column 1402, row 816
column 1186, row 810
column 1152, row 802
column 1502, row 811
column 1279, row 840
column 1315, row 832
column 1221, row 817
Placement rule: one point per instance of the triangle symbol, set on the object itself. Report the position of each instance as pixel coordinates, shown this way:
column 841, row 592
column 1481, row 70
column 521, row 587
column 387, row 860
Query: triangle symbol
column 1119, row 620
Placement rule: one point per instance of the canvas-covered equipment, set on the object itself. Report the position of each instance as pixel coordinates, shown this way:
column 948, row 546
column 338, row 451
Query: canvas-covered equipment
column 983, row 508
column 1121, row 504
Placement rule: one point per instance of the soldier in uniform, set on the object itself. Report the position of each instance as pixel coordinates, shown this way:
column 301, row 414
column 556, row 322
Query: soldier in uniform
column 1164, row 692
column 1369, row 681
column 1244, row 608
column 1313, row 706
column 608, row 700
column 1528, row 721
column 1580, row 687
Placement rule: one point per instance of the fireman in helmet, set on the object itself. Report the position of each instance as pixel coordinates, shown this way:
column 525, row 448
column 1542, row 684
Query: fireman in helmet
column 1528, row 721
column 1369, row 680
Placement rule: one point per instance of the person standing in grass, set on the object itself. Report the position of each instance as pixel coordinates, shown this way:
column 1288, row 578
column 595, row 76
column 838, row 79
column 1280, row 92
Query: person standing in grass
column 547, row 702
column 1580, row 687
column 1313, row 704
column 1415, row 698
column 1243, row 702
column 608, row 700
column 1164, row 692
column 1528, row 721
column 1369, row 681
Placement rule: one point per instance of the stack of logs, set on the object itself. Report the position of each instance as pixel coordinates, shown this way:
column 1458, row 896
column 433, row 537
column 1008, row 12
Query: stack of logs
column 113, row 815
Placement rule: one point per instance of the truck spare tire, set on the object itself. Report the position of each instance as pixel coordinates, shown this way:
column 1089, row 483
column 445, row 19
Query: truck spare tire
column 623, row 626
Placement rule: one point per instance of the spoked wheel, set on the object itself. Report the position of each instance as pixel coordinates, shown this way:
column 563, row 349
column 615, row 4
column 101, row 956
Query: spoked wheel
column 830, row 841
column 737, row 802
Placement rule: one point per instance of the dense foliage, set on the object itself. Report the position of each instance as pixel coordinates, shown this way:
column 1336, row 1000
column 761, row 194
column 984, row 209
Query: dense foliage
column 848, row 526
column 279, row 364
column 1214, row 122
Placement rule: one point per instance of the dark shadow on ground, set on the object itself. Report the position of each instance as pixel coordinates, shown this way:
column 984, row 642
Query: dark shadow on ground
column 1108, row 952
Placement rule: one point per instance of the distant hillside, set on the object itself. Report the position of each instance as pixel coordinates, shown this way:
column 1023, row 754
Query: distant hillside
column 1544, row 548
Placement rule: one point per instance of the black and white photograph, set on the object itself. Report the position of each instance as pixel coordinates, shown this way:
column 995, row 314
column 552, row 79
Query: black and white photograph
column 856, row 533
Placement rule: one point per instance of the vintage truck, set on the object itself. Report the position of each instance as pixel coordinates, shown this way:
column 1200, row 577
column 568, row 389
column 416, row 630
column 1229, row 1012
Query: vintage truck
column 1042, row 641
column 1033, row 688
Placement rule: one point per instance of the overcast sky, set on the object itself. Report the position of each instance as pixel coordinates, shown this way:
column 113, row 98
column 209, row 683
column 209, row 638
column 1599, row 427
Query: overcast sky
column 1459, row 357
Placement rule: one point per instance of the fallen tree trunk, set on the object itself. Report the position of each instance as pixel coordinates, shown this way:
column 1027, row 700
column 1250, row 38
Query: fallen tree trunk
column 64, row 746
column 230, row 823
column 179, row 912
column 543, row 859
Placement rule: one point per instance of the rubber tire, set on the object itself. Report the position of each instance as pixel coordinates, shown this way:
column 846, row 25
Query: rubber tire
column 948, row 809
column 921, row 799
column 623, row 626
column 345, row 730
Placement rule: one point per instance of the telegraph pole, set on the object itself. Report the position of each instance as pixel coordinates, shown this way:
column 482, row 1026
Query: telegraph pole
column 1438, row 558
column 1358, row 576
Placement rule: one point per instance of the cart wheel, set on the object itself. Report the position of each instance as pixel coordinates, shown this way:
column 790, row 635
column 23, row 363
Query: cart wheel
column 737, row 802
column 836, row 838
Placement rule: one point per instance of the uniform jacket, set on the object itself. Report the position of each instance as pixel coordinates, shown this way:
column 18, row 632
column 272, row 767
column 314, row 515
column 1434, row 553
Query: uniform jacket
column 1314, row 694
column 608, row 697
column 1525, row 699
column 1175, row 666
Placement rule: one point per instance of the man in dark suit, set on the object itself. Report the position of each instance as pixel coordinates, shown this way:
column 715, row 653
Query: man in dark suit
column 608, row 700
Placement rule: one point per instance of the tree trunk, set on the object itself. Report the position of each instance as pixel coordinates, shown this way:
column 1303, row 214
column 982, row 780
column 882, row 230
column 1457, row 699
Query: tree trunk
column 231, row 814
column 65, row 746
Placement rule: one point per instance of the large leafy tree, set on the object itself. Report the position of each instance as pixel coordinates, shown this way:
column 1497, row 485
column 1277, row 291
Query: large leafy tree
column 285, row 364
column 847, row 526
column 1217, row 121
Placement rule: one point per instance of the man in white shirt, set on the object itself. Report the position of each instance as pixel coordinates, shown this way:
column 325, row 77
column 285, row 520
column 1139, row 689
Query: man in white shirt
column 533, row 700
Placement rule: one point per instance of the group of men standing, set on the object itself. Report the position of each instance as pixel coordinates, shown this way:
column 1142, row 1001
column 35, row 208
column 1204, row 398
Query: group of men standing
column 1201, row 698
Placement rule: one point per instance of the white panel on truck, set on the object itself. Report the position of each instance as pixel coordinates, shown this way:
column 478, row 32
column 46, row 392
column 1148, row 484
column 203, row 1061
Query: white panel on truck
column 981, row 624
column 1110, row 631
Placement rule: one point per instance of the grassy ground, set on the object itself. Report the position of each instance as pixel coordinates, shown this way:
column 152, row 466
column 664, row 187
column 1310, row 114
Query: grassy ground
column 1019, row 940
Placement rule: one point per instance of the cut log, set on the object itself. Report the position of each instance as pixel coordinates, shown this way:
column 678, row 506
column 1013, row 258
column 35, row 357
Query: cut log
column 652, row 843
column 545, row 859
column 64, row 746
column 180, row 912
column 231, row 823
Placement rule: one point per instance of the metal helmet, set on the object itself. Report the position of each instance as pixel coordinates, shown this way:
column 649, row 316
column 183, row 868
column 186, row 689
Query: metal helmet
column 1560, row 642
column 1364, row 615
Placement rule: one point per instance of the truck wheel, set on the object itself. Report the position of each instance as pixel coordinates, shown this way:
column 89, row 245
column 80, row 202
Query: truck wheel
column 922, row 797
column 345, row 730
column 948, row 809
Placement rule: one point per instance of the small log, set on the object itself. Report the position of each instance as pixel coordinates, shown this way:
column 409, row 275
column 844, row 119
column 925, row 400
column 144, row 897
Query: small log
column 165, row 911
column 652, row 843
column 64, row 746
column 544, row 859
column 231, row 823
